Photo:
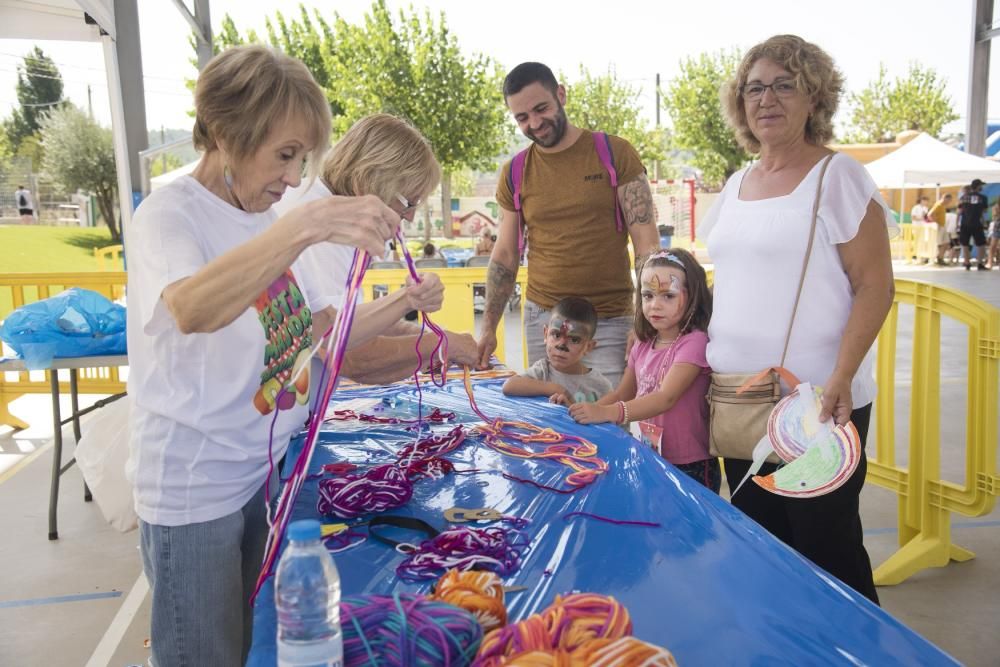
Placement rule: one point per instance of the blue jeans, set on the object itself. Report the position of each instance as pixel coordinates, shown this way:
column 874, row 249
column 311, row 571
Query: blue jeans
column 608, row 357
column 201, row 576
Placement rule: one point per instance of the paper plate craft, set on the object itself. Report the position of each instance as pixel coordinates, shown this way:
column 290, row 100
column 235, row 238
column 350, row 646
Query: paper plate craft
column 820, row 456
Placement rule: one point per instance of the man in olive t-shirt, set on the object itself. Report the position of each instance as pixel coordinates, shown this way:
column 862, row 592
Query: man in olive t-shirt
column 568, row 207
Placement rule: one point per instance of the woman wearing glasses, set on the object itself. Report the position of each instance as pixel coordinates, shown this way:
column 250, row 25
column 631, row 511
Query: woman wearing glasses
column 384, row 156
column 781, row 105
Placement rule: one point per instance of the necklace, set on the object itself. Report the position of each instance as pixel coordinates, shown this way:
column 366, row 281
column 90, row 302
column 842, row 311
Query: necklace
column 668, row 343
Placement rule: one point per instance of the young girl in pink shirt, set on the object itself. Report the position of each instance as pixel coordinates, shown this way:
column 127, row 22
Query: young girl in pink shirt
column 667, row 377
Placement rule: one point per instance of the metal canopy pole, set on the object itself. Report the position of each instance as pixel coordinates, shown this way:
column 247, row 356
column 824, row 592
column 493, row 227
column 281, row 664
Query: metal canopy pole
column 979, row 77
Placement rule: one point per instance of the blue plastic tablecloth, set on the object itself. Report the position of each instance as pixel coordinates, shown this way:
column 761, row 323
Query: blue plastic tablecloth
column 709, row 584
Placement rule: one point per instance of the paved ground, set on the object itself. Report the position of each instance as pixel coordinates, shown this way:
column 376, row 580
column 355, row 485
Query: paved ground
column 81, row 600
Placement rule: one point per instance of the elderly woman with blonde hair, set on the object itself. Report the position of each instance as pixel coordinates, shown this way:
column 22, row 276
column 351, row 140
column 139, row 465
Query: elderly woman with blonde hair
column 384, row 156
column 222, row 317
column 760, row 236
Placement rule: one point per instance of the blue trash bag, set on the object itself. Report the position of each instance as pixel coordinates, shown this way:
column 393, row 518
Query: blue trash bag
column 75, row 323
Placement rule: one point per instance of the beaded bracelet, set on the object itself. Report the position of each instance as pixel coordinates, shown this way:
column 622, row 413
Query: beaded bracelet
column 624, row 411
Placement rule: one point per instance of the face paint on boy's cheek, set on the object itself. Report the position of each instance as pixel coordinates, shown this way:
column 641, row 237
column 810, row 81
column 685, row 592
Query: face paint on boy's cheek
column 566, row 328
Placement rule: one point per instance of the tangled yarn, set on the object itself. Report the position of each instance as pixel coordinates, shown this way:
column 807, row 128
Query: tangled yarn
column 377, row 489
column 386, row 486
column 575, row 452
column 623, row 652
column 575, row 630
column 479, row 593
column 464, row 548
column 405, row 629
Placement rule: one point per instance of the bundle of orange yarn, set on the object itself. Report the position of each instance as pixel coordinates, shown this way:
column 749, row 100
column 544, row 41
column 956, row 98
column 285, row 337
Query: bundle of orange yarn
column 480, row 593
column 575, row 630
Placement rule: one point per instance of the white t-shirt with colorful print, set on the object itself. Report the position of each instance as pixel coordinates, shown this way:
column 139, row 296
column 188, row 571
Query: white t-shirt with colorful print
column 204, row 402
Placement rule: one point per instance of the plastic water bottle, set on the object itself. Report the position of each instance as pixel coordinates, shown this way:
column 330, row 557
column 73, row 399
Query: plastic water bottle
column 307, row 597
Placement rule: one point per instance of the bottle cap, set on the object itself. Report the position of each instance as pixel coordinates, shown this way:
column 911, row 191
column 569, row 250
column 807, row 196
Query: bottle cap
column 304, row 530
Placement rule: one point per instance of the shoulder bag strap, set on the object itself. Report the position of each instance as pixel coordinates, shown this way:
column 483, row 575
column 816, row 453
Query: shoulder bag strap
column 603, row 146
column 516, row 177
column 805, row 261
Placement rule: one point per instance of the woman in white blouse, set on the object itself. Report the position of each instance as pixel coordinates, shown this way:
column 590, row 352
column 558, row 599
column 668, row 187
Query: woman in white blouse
column 781, row 105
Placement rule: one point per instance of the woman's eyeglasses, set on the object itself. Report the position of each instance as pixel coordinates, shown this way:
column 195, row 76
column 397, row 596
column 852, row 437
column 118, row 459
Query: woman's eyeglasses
column 755, row 91
column 407, row 204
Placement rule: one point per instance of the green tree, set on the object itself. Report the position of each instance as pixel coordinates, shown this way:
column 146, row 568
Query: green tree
column 164, row 163
column 607, row 104
column 79, row 156
column 692, row 100
column 39, row 90
column 916, row 101
column 413, row 68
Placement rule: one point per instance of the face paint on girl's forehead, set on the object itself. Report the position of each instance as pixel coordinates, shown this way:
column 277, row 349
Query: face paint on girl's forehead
column 658, row 286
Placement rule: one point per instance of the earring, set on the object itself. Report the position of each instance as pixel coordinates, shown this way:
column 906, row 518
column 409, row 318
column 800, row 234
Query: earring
column 227, row 176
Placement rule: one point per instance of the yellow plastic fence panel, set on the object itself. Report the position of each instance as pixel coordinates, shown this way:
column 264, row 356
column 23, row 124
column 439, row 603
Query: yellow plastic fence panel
column 458, row 312
column 109, row 258
column 904, row 246
column 926, row 502
column 17, row 289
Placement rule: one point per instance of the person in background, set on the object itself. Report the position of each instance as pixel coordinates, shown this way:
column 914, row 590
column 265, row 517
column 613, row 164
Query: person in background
column 780, row 105
column 25, row 205
column 667, row 377
column 385, row 156
column 222, row 320
column 574, row 246
column 562, row 375
column 993, row 252
column 484, row 246
column 920, row 221
column 431, row 252
column 939, row 216
column 970, row 225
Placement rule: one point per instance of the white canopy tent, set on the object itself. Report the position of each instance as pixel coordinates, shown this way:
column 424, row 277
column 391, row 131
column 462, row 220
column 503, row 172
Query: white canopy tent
column 65, row 20
column 926, row 162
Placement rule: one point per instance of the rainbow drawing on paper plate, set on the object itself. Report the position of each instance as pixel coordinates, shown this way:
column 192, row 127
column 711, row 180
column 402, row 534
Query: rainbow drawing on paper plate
column 820, row 456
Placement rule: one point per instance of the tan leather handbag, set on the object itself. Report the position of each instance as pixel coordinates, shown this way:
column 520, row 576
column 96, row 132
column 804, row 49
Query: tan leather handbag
column 737, row 414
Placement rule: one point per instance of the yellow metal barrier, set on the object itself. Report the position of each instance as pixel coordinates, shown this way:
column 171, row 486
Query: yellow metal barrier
column 17, row 289
column 458, row 314
column 925, row 500
column 109, row 258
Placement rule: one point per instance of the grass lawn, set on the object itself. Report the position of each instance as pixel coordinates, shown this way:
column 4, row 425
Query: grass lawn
column 41, row 249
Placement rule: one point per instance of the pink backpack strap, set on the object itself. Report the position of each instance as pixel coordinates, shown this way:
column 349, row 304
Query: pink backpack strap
column 603, row 145
column 516, row 178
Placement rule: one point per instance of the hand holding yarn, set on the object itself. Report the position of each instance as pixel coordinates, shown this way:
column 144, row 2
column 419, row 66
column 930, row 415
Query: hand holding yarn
column 425, row 295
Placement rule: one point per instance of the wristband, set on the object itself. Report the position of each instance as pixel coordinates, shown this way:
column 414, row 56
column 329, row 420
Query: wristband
column 621, row 411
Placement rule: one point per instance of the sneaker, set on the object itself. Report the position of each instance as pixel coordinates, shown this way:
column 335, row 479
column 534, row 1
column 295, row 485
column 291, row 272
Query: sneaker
column 982, row 267
column 968, row 266
column 940, row 262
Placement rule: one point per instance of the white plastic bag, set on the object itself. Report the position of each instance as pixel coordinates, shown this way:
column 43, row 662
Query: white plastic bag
column 101, row 455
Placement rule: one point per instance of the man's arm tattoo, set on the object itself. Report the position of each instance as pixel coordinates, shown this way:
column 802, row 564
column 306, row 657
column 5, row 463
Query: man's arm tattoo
column 637, row 202
column 500, row 283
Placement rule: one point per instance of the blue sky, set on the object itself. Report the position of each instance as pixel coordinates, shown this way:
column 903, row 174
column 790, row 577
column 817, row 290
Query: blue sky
column 637, row 39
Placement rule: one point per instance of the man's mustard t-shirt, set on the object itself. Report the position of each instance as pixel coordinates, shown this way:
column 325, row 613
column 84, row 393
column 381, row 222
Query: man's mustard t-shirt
column 568, row 205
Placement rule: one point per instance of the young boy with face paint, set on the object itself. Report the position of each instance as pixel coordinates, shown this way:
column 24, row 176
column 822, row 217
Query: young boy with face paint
column 667, row 377
column 562, row 375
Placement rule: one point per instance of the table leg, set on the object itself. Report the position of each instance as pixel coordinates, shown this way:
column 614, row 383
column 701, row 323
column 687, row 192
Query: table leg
column 74, row 400
column 56, row 455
